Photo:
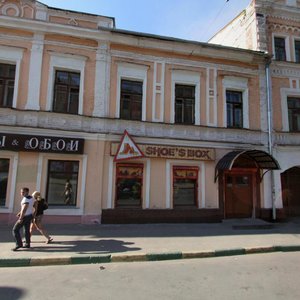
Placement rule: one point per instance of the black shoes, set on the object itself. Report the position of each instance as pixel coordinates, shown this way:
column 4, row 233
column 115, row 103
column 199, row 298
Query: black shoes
column 16, row 248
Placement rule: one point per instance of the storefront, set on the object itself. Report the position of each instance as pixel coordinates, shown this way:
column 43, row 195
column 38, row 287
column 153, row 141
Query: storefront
column 160, row 183
column 53, row 165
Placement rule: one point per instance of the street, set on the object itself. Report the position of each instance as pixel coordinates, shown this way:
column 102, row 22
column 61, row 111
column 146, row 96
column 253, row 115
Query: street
column 256, row 276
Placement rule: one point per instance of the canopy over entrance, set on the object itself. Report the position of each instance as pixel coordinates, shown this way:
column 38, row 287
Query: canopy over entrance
column 262, row 160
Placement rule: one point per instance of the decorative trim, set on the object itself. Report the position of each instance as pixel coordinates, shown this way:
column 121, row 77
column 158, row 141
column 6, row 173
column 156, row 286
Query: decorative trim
column 131, row 72
column 284, row 94
column 189, row 78
column 237, row 84
column 79, row 210
column 68, row 62
column 14, row 56
column 11, row 183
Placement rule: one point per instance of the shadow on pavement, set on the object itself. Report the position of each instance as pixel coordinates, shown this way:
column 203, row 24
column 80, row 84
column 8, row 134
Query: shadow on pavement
column 11, row 293
column 86, row 247
column 121, row 231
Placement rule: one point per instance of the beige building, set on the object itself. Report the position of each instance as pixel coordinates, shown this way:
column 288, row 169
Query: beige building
column 274, row 27
column 117, row 126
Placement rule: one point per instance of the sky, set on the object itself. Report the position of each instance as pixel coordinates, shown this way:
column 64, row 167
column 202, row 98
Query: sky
column 196, row 20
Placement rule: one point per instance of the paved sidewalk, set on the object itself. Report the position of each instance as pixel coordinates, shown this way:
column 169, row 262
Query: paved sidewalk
column 74, row 244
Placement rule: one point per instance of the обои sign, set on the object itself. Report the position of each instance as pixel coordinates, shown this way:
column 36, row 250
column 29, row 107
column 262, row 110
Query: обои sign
column 17, row 142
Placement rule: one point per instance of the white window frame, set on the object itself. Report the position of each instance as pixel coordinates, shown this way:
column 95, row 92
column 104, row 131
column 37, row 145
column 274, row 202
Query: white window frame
column 12, row 177
column 42, row 177
column 285, row 93
column 287, row 45
column 185, row 78
column 12, row 55
column 135, row 73
column 293, row 48
column 240, row 85
column 70, row 63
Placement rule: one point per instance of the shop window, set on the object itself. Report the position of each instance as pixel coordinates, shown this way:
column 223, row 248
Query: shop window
column 4, row 168
column 129, row 185
column 66, row 92
column 297, row 51
column 7, row 83
column 234, row 104
column 62, row 182
column 280, row 51
column 131, row 100
column 185, row 186
column 184, row 104
column 294, row 113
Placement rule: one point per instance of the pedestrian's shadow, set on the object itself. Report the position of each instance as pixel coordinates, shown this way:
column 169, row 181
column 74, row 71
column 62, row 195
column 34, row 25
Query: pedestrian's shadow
column 88, row 246
column 11, row 293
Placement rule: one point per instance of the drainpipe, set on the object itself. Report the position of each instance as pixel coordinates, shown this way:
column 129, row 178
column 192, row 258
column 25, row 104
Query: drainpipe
column 270, row 130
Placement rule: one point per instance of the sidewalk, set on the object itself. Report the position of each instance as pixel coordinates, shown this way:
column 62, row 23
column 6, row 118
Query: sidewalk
column 78, row 244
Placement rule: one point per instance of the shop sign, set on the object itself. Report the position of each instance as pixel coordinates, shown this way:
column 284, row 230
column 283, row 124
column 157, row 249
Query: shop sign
column 172, row 152
column 18, row 142
column 127, row 149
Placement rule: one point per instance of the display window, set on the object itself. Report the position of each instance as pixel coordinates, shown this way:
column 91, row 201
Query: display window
column 185, row 186
column 62, row 183
column 129, row 184
column 4, row 169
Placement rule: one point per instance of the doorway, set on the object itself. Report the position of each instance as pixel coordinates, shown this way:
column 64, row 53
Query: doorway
column 290, row 186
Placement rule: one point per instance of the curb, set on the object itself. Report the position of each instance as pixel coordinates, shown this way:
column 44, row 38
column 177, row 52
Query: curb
column 75, row 260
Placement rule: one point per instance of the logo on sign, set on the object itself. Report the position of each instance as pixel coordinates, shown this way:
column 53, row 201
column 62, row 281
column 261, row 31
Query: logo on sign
column 128, row 149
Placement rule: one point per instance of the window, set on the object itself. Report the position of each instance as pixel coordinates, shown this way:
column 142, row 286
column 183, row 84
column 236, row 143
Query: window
column 297, row 51
column 184, row 104
column 131, row 100
column 234, row 104
column 7, row 82
column 4, row 168
column 66, row 92
column 280, row 52
column 185, row 184
column 129, row 185
column 294, row 113
column 62, row 182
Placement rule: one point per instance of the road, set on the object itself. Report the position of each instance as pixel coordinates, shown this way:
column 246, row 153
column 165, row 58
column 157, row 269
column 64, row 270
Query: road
column 257, row 276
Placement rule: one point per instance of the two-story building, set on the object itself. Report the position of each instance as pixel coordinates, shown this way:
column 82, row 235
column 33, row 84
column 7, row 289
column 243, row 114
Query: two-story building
column 274, row 27
column 119, row 126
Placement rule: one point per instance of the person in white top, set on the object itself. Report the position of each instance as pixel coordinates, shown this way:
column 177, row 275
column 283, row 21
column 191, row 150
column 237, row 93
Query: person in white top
column 24, row 220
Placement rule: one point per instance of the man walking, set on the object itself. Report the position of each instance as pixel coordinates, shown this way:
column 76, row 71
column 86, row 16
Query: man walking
column 24, row 220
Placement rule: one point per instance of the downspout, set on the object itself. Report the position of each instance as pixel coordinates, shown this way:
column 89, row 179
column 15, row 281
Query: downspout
column 270, row 130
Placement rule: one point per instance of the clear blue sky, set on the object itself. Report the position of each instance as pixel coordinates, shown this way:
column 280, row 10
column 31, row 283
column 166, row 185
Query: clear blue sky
column 187, row 19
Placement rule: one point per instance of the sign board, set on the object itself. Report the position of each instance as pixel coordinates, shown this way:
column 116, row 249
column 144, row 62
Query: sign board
column 127, row 149
column 172, row 152
column 18, row 142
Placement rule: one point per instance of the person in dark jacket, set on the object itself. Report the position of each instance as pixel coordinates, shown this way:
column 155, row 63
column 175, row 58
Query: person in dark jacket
column 40, row 205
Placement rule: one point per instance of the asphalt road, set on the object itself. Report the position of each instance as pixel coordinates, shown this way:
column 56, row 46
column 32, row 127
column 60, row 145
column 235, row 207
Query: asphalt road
column 257, row 276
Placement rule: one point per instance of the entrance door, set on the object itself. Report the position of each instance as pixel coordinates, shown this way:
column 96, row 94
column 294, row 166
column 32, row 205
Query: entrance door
column 290, row 180
column 239, row 195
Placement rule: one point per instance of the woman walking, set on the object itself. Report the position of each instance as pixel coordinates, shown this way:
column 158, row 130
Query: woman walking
column 40, row 205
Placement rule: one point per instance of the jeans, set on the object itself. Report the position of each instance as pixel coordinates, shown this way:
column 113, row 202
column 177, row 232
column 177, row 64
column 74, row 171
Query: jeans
column 16, row 231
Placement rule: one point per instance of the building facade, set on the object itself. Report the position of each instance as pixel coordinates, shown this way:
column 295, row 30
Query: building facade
column 274, row 27
column 120, row 127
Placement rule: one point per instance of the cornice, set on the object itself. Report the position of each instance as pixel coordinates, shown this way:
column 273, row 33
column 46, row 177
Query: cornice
column 283, row 28
column 285, row 69
column 83, row 125
column 135, row 39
